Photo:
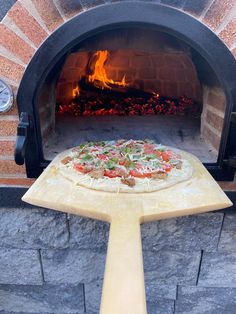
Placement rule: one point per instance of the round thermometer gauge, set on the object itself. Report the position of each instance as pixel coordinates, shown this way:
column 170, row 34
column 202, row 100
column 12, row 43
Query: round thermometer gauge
column 6, row 96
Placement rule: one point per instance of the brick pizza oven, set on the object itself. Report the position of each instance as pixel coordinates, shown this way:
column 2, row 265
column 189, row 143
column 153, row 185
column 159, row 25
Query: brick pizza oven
column 176, row 55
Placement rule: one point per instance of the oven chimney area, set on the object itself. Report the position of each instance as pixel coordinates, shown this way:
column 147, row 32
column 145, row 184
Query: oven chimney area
column 133, row 83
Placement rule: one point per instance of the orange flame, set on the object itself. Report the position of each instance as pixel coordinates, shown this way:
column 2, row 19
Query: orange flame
column 99, row 76
column 76, row 91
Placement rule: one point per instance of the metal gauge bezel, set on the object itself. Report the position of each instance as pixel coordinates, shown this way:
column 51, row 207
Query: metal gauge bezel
column 9, row 104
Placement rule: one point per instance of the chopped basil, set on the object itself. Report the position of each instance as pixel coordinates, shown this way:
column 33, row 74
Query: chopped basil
column 110, row 165
column 132, row 165
column 87, row 157
column 151, row 156
column 82, row 146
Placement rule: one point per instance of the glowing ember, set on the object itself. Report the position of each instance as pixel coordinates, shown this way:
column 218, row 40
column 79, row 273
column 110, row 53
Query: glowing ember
column 99, row 77
column 130, row 106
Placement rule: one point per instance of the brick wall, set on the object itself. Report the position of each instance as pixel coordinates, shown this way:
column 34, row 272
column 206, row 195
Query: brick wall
column 169, row 74
column 28, row 23
column 213, row 115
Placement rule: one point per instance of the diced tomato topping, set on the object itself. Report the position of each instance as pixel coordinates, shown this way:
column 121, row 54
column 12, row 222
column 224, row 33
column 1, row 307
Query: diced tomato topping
column 136, row 173
column 149, row 149
column 112, row 173
column 103, row 157
column 167, row 167
column 80, row 168
column 165, row 156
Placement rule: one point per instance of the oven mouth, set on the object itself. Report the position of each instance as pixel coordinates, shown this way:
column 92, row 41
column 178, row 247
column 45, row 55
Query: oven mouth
column 50, row 132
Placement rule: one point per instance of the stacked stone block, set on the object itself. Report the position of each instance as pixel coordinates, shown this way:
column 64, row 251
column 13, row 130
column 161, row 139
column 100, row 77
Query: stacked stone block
column 54, row 263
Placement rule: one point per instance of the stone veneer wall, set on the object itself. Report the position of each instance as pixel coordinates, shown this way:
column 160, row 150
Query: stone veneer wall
column 29, row 22
column 53, row 263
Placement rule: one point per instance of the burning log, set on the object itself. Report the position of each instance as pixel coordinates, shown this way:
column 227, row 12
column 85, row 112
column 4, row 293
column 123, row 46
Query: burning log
column 115, row 91
column 96, row 94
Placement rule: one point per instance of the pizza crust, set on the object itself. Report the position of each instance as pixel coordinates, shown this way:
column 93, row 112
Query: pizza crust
column 114, row 184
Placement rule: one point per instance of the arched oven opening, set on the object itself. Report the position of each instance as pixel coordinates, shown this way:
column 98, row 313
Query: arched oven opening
column 133, row 79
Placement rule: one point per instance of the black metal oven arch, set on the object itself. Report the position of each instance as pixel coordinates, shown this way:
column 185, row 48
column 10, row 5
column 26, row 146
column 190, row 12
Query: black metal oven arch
column 202, row 39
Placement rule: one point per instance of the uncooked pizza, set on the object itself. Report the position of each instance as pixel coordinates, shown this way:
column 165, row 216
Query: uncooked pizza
column 132, row 166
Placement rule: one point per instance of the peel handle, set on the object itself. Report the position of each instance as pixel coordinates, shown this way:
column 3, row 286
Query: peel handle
column 123, row 287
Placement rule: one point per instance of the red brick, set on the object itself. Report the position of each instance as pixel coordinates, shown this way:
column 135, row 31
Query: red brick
column 117, row 61
column 167, row 74
column 170, row 89
column 172, row 60
column 82, row 59
column 217, row 101
column 185, row 89
column 216, row 13
column 228, row 35
column 7, row 148
column 197, row 92
column 113, row 74
column 16, row 182
column 180, row 75
column 187, row 62
column 191, row 76
column 10, row 69
column 12, row 111
column 71, row 74
column 214, row 120
column 234, row 52
column 49, row 13
column 70, row 7
column 147, row 73
column 152, row 86
column 8, row 127
column 141, row 61
column 158, row 60
column 15, row 44
column 129, row 75
column 27, row 24
column 10, row 167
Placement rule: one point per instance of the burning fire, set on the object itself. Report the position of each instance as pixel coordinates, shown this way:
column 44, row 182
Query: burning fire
column 76, row 91
column 99, row 76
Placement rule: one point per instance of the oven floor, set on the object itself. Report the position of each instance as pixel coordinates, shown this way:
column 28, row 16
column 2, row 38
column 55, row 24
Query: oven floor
column 172, row 131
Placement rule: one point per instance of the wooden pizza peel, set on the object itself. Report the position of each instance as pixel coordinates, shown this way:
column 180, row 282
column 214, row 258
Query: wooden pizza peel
column 123, row 286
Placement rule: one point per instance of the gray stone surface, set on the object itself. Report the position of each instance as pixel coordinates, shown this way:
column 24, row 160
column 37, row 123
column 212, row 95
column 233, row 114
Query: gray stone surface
column 190, row 233
column 88, row 233
column 228, row 234
column 160, row 307
column 171, row 267
column 71, row 266
column 93, row 292
column 20, row 267
column 218, row 270
column 201, row 300
column 32, row 228
column 5, row 6
column 156, row 291
column 42, row 299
